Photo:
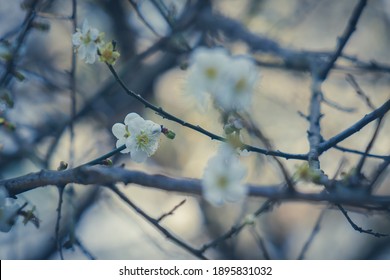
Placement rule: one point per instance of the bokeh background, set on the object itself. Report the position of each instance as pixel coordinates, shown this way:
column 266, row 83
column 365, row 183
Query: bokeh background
column 105, row 225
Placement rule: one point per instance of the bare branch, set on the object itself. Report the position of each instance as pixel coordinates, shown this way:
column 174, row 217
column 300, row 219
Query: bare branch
column 314, row 232
column 378, row 113
column 101, row 175
column 342, row 41
column 356, row 227
column 155, row 223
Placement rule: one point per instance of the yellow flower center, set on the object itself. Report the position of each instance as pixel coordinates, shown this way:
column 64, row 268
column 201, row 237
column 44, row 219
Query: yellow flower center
column 222, row 182
column 142, row 140
column 211, row 73
column 240, row 85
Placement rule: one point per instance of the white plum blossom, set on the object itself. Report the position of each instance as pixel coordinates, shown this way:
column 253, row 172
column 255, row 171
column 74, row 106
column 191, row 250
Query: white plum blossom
column 140, row 136
column 206, row 72
column 144, row 138
column 223, row 176
column 87, row 41
column 229, row 80
column 8, row 211
column 121, row 131
column 235, row 92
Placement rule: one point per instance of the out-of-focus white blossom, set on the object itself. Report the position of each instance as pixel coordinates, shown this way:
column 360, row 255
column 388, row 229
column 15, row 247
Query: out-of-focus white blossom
column 87, row 41
column 206, row 72
column 229, row 81
column 235, row 92
column 223, row 177
column 8, row 211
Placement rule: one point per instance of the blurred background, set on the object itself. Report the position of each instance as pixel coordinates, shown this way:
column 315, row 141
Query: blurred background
column 153, row 63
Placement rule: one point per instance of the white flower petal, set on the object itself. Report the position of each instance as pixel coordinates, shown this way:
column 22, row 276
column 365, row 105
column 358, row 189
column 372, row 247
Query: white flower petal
column 119, row 130
column 208, row 67
column 82, row 52
column 139, row 156
column 222, row 178
column 235, row 93
column 93, row 34
column 76, row 39
column 85, row 28
column 131, row 117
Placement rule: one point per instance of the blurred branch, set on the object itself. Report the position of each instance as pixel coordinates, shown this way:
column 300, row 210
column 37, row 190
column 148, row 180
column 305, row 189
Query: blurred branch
column 353, row 151
column 61, row 189
column 369, row 146
column 351, row 79
column 100, row 175
column 314, row 133
column 342, row 41
column 260, row 242
column 136, row 8
column 156, row 224
column 236, row 229
column 24, row 31
column 314, row 232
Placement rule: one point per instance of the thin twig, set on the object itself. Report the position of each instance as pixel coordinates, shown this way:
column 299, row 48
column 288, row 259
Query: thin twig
column 160, row 111
column 353, row 151
column 142, row 18
column 359, row 166
column 234, row 230
column 352, row 81
column 314, row 232
column 260, row 242
column 61, row 189
column 337, row 106
column 24, row 31
column 255, row 130
column 378, row 172
column 155, row 223
column 163, row 216
column 84, row 249
column 342, row 41
column 333, row 141
column 356, row 227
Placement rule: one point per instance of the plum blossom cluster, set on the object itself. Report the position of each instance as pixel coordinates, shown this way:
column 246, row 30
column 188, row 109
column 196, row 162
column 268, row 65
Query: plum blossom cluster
column 228, row 80
column 140, row 137
column 223, row 177
column 8, row 211
column 89, row 44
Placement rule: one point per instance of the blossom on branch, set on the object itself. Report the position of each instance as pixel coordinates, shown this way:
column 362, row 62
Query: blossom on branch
column 207, row 71
column 108, row 53
column 222, row 178
column 86, row 42
column 121, row 131
column 140, row 136
column 236, row 90
column 229, row 80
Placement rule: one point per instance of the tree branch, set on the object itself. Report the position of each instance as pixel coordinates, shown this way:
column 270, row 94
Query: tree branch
column 378, row 113
column 101, row 175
